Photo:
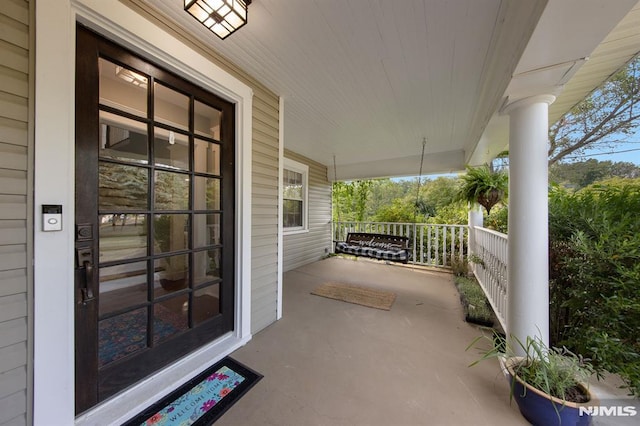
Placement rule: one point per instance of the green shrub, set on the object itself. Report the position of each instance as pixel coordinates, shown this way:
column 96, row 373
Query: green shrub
column 594, row 271
column 399, row 211
column 460, row 267
column 454, row 213
column 498, row 218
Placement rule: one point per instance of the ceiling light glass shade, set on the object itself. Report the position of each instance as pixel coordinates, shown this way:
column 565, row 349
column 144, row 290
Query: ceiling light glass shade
column 131, row 77
column 223, row 17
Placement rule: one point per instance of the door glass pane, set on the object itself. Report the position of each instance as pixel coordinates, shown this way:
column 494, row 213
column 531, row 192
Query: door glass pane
column 123, row 139
column 122, row 236
column 171, row 149
column 170, row 317
column 171, row 232
column 206, row 303
column 123, row 88
column 121, row 335
column 122, row 286
column 171, row 274
column 171, row 191
column 206, row 193
column 206, row 266
column 206, row 230
column 206, row 157
column 206, row 120
column 122, row 187
column 170, row 107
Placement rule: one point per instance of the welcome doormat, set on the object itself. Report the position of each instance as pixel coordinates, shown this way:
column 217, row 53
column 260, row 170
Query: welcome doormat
column 203, row 399
column 358, row 295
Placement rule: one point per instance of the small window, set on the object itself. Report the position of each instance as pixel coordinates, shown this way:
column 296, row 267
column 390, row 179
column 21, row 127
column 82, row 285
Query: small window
column 294, row 196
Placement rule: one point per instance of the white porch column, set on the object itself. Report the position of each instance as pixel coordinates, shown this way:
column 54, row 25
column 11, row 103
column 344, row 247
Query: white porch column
column 528, row 265
column 475, row 218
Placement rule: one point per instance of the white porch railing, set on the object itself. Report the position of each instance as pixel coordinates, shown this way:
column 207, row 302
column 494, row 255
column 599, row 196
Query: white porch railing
column 439, row 245
column 488, row 259
column 431, row 244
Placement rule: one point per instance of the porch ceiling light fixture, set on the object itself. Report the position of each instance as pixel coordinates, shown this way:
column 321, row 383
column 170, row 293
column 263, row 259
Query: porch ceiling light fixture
column 131, row 77
column 222, row 17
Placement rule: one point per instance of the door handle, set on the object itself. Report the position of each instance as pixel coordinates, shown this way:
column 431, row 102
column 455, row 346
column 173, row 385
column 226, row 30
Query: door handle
column 87, row 291
column 85, row 260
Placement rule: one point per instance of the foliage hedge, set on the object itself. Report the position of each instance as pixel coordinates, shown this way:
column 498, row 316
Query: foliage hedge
column 594, row 271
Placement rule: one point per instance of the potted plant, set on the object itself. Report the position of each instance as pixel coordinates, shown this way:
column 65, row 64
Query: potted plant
column 548, row 384
column 484, row 186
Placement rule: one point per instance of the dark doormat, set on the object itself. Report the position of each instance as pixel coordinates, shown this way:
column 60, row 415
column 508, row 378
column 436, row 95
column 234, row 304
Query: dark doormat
column 203, row 399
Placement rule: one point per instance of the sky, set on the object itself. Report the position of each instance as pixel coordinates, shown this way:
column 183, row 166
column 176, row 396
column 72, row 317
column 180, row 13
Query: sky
column 627, row 152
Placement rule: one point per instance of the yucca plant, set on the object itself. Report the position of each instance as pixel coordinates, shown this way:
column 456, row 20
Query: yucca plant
column 484, row 186
column 547, row 383
column 555, row 371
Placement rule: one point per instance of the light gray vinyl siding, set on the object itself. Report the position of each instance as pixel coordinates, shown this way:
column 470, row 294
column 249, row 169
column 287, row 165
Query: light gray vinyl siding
column 265, row 160
column 300, row 249
column 15, row 204
column 264, row 194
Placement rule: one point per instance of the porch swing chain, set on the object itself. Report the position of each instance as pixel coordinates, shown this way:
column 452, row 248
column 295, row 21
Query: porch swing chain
column 335, row 179
column 415, row 210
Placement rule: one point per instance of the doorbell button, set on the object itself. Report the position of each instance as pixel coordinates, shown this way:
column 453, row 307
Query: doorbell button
column 51, row 217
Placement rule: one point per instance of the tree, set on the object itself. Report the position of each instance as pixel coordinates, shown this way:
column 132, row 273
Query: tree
column 453, row 214
column 399, row 211
column 342, row 198
column 583, row 173
column 624, row 169
column 361, row 194
column 387, row 200
column 385, row 191
column 607, row 116
column 439, row 192
column 350, row 200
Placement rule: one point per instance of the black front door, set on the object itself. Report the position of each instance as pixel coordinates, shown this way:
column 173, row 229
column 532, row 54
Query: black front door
column 154, row 273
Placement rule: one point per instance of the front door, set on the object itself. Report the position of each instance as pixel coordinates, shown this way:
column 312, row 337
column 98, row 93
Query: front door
column 154, row 273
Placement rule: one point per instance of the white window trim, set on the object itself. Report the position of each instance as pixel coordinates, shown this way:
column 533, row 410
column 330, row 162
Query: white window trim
column 303, row 169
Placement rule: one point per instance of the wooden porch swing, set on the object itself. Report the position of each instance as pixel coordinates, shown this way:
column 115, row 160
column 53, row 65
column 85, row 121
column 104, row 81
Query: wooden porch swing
column 387, row 247
column 394, row 248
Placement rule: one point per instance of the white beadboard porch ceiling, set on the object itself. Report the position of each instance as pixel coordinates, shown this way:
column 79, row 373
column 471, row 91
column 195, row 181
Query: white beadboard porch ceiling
column 366, row 80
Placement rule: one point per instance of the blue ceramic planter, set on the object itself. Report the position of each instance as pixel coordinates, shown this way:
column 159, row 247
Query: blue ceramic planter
column 541, row 409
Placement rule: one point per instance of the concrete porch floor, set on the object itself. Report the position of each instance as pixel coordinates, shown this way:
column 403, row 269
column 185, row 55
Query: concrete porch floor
column 328, row 362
